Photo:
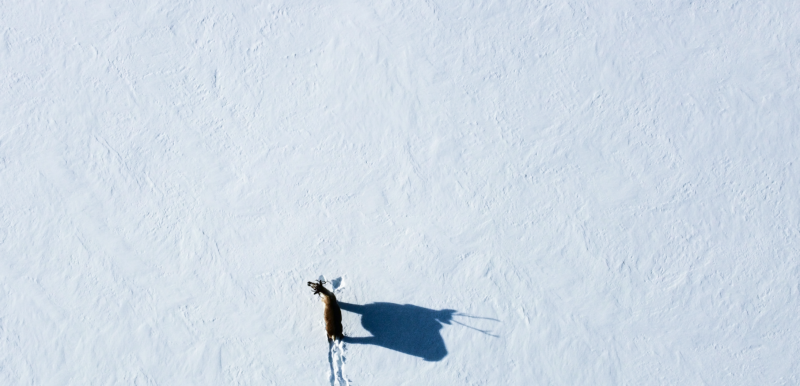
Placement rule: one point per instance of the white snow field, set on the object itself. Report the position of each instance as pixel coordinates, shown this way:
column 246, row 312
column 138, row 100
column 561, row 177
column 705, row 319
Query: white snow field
column 501, row 192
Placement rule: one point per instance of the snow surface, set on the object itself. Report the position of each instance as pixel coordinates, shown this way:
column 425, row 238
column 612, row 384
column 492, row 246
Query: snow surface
column 510, row 192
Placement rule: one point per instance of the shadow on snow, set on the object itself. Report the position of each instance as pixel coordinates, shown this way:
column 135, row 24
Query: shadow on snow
column 405, row 328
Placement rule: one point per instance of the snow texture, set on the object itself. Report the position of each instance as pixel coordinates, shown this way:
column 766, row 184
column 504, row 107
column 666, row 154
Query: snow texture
column 503, row 192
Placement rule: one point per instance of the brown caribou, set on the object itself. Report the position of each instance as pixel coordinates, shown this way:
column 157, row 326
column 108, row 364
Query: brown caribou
column 333, row 314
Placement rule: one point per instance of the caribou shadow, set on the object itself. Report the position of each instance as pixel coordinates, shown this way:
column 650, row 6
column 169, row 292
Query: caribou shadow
column 405, row 328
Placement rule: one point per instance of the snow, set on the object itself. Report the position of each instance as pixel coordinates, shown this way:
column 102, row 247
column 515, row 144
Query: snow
column 553, row 193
